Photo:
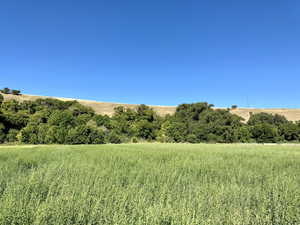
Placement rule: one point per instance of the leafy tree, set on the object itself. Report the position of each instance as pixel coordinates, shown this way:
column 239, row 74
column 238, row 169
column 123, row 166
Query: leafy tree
column 29, row 134
column 199, row 122
column 173, row 131
column 266, row 118
column 53, row 104
column 192, row 138
column 15, row 92
column 83, row 119
column 16, row 120
column 145, row 130
column 85, row 135
column 12, row 135
column 1, row 99
column 5, row 91
column 243, row 134
column 265, row 133
column 62, row 119
column 55, row 134
column 103, row 121
column 2, row 133
column 114, row 138
column 78, row 109
column 11, row 106
column 290, row 131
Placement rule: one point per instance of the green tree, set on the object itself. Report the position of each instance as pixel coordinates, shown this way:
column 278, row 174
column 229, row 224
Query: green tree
column 12, row 135
column 114, row 138
column 29, row 134
column 103, row 121
column 192, row 138
column 15, row 92
column 265, row 133
column 85, row 135
column 266, row 118
column 2, row 132
column 5, row 90
column 62, row 119
column 290, row 131
column 243, row 134
column 145, row 130
column 1, row 99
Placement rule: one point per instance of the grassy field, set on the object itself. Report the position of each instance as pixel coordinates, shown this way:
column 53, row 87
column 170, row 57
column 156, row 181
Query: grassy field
column 150, row 184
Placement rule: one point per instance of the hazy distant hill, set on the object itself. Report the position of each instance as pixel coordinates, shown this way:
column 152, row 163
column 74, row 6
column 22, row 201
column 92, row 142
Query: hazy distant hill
column 108, row 107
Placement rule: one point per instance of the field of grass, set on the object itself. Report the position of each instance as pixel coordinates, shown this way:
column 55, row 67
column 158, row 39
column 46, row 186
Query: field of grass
column 150, row 184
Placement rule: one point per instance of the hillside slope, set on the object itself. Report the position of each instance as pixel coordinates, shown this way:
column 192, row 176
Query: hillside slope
column 107, row 108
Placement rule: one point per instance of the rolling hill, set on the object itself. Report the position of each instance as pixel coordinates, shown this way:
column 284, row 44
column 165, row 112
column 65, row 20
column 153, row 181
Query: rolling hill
column 107, row 108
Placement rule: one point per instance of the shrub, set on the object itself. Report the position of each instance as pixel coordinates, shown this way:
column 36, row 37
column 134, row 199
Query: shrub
column 114, row 138
column 6, row 91
column 12, row 135
column 290, row 131
column 265, row 133
column 134, row 140
column 192, row 138
column 29, row 134
column 266, row 118
column 1, row 99
column 16, row 92
column 243, row 134
column 85, row 135
column 2, row 133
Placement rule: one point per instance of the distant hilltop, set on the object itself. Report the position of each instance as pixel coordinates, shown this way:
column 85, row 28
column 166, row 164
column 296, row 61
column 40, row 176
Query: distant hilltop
column 107, row 108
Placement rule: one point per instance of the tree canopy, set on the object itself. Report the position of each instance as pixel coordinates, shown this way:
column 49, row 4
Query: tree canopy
column 51, row 121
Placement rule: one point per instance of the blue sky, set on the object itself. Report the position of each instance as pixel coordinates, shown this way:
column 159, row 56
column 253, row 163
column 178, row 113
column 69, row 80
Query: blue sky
column 154, row 52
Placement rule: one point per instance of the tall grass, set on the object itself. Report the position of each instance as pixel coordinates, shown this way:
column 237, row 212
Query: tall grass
column 150, row 184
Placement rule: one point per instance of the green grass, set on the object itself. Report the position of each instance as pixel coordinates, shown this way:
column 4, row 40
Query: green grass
column 150, row 184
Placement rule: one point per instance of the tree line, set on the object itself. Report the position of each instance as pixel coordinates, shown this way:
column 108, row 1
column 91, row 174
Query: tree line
column 51, row 121
column 10, row 91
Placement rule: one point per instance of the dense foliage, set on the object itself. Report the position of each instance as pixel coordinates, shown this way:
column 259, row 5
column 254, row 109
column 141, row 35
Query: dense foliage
column 10, row 91
column 50, row 121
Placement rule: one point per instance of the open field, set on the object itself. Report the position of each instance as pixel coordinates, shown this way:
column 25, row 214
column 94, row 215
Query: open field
column 107, row 108
column 150, row 184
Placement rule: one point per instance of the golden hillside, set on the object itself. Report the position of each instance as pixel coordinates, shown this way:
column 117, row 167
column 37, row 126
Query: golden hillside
column 107, row 108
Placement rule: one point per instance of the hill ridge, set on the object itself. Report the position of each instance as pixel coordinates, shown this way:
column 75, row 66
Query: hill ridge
column 107, row 108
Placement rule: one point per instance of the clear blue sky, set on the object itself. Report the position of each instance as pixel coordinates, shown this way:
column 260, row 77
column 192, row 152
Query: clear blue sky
column 154, row 52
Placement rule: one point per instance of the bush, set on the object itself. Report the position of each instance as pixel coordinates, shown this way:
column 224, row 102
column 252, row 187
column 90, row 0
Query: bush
column 12, row 135
column 243, row 134
column 16, row 92
column 267, row 118
column 1, row 99
column 29, row 134
column 6, row 91
column 134, row 140
column 192, row 138
column 265, row 133
column 213, row 138
column 114, row 138
column 85, row 135
column 2, row 133
column 290, row 131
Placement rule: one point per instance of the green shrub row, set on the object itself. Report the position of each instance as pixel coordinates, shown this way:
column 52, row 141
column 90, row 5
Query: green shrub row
column 51, row 121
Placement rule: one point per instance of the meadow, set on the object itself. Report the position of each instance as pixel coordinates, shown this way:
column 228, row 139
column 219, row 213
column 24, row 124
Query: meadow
column 165, row 184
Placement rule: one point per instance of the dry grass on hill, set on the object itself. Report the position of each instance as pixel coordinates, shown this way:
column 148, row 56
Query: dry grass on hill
column 107, row 108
